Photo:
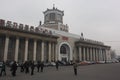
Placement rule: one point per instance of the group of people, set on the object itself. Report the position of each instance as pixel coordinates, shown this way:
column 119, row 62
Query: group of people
column 24, row 67
column 27, row 65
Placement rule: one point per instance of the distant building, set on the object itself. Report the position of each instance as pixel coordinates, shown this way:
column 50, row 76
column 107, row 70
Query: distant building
column 50, row 41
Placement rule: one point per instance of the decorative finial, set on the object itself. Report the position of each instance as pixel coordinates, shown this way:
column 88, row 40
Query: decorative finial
column 81, row 34
column 53, row 6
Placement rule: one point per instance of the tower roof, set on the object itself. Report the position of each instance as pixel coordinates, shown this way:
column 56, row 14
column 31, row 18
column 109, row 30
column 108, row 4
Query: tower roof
column 54, row 9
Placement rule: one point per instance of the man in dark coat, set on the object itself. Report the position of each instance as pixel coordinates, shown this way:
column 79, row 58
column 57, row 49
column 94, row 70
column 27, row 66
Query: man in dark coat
column 14, row 68
column 42, row 66
column 38, row 66
column 75, row 68
column 3, row 69
column 32, row 68
column 26, row 66
column 57, row 65
column 22, row 67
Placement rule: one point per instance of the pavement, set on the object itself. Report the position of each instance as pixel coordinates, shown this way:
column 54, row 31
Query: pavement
column 89, row 72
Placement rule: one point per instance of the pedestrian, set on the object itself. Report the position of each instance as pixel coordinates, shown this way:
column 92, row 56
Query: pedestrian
column 22, row 67
column 42, row 66
column 32, row 68
column 26, row 66
column 14, row 68
column 57, row 65
column 75, row 68
column 3, row 69
column 38, row 66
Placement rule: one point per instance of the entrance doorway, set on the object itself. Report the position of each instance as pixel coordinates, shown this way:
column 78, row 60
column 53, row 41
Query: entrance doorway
column 65, row 53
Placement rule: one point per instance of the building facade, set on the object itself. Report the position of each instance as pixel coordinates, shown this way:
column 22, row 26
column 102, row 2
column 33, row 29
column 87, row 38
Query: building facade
column 49, row 42
column 21, row 43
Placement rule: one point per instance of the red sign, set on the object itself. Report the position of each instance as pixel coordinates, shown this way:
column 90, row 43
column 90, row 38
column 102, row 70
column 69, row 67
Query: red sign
column 64, row 38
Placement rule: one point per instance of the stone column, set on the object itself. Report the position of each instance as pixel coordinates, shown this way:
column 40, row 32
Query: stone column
column 53, row 52
column 26, row 49
column 93, row 54
column 56, row 54
column 80, row 54
column 109, row 55
column 84, row 55
column 42, row 51
column 16, row 49
column 34, row 50
column 6, row 48
column 96, row 54
column 91, row 58
column 101, row 56
column 49, row 52
column 105, row 54
column 87, row 54
column 108, row 58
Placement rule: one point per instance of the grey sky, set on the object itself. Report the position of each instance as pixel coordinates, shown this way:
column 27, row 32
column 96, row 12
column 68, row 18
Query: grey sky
column 97, row 19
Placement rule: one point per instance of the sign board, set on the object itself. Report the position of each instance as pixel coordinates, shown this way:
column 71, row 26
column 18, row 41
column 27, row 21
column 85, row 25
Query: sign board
column 37, row 29
column 26, row 27
column 32, row 28
column 15, row 25
column 2, row 22
column 21, row 26
column 8, row 24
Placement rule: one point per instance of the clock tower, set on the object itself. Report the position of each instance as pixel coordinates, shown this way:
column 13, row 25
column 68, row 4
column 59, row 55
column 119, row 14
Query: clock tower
column 53, row 18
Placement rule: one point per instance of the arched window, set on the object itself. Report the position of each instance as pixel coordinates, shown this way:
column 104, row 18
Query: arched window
column 63, row 50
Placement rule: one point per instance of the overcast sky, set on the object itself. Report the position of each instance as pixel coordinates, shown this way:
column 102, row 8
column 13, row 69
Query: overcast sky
column 97, row 19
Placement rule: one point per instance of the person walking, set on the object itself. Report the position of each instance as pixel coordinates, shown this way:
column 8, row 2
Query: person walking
column 75, row 68
column 26, row 66
column 3, row 69
column 42, row 66
column 38, row 66
column 22, row 67
column 14, row 68
column 57, row 65
column 32, row 68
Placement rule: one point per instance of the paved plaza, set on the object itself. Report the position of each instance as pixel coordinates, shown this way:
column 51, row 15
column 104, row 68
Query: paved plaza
column 90, row 72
